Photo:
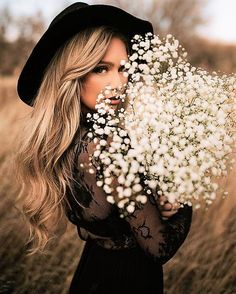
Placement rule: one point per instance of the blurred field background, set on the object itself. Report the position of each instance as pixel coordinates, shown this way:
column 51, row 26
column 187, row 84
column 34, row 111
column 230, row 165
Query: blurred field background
column 206, row 263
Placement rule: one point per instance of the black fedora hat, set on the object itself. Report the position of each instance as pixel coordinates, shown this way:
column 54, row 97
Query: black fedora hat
column 70, row 21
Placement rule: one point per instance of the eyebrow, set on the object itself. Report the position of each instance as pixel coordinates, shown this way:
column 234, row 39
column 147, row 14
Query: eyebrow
column 106, row 62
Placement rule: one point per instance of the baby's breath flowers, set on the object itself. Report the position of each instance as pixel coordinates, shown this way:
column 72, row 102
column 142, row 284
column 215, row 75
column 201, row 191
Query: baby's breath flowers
column 176, row 133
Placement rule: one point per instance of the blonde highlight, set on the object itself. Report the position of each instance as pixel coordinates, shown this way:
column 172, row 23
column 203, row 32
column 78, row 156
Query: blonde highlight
column 45, row 157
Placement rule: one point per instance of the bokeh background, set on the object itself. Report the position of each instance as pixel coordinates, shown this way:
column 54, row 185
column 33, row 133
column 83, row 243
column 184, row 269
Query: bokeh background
column 206, row 263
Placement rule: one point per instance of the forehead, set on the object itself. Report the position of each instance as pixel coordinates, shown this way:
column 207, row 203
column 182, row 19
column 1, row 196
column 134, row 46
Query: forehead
column 116, row 50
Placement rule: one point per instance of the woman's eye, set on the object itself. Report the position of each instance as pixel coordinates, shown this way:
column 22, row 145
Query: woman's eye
column 100, row 69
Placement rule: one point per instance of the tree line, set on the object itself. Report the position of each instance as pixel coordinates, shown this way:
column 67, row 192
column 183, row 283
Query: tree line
column 181, row 18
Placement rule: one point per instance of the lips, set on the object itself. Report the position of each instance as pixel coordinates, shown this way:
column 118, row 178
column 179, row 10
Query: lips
column 115, row 98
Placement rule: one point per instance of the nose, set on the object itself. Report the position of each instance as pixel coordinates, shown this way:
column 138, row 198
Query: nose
column 117, row 80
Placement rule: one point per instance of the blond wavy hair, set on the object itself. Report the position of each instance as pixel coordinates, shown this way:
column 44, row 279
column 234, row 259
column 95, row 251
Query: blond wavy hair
column 44, row 162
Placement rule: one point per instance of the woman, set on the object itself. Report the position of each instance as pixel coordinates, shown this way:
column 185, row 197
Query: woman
column 76, row 58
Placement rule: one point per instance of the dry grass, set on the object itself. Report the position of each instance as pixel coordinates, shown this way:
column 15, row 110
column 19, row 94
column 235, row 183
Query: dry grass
column 206, row 262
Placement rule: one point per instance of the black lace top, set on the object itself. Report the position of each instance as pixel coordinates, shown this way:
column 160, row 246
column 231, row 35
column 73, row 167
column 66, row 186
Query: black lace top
column 97, row 219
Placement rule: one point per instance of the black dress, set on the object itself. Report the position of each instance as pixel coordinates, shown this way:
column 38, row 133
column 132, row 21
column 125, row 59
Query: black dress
column 121, row 255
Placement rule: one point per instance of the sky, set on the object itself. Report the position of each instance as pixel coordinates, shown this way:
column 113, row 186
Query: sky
column 221, row 15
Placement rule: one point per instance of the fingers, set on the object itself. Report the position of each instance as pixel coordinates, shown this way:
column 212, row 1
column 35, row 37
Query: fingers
column 168, row 214
column 167, row 209
column 162, row 200
column 165, row 205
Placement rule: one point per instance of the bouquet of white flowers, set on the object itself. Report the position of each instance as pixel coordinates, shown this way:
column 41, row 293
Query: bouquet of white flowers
column 175, row 133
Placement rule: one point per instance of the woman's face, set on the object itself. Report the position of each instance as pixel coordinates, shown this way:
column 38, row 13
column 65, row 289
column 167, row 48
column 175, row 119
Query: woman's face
column 109, row 72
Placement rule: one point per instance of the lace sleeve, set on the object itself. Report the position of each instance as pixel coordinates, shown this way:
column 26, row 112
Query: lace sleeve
column 159, row 238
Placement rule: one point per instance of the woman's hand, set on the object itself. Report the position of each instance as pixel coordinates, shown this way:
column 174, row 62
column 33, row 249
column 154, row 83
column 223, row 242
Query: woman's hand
column 167, row 209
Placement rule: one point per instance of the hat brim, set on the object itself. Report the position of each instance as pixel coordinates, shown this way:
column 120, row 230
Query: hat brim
column 70, row 24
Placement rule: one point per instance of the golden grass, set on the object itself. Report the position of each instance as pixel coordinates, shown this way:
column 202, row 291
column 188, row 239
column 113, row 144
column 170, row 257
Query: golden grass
column 206, row 262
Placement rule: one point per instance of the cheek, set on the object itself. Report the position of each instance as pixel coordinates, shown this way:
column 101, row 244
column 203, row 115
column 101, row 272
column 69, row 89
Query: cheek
column 84, row 93
column 89, row 92
column 93, row 85
column 125, row 80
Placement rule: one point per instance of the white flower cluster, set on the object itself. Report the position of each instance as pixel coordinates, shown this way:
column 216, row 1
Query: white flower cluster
column 113, row 153
column 177, row 129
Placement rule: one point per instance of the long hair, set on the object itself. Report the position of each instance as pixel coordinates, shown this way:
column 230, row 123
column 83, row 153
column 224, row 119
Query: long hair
column 44, row 162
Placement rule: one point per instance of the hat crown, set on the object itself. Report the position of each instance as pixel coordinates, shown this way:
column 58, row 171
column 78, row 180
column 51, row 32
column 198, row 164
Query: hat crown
column 73, row 7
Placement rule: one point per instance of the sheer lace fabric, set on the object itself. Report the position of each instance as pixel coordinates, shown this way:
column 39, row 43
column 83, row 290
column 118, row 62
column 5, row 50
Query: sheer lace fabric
column 97, row 219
